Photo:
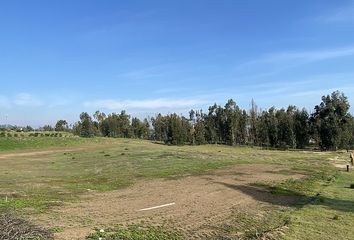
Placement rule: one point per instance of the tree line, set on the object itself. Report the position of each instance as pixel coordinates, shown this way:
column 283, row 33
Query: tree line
column 329, row 127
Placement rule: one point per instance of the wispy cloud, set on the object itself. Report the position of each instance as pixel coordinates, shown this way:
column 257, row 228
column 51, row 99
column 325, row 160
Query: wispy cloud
column 339, row 15
column 27, row 100
column 302, row 56
column 310, row 56
column 148, row 104
column 274, row 63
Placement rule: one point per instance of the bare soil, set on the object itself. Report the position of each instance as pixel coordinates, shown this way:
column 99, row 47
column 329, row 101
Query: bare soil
column 202, row 203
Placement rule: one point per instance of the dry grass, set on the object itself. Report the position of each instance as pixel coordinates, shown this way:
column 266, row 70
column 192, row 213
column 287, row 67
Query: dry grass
column 14, row 228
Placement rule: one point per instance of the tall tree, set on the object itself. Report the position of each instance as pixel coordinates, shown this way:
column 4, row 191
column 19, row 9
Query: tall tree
column 330, row 120
column 61, row 125
column 301, row 128
column 252, row 123
column 86, row 127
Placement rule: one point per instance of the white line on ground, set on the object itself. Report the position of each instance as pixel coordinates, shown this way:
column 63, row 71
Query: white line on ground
column 160, row 206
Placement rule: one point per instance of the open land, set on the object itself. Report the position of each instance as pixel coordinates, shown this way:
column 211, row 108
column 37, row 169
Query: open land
column 76, row 187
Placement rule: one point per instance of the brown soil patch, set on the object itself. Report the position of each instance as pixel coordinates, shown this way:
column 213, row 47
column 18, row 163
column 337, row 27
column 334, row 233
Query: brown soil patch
column 202, row 203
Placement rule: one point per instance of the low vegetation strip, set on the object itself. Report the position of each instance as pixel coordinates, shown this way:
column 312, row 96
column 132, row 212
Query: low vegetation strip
column 135, row 232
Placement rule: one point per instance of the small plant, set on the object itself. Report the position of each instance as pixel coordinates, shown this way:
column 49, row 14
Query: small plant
column 336, row 217
column 352, row 186
column 56, row 229
column 107, row 155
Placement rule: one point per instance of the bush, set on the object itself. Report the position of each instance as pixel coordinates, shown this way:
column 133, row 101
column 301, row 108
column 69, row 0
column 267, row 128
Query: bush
column 352, row 186
column 2, row 134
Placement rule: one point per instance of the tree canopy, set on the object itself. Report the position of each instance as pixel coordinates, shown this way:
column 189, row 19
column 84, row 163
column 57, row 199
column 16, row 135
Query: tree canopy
column 329, row 127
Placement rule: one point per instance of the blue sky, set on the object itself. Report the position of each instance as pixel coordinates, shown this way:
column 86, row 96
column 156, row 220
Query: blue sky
column 59, row 58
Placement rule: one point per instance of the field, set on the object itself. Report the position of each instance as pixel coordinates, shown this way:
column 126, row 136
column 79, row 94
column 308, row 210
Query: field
column 78, row 187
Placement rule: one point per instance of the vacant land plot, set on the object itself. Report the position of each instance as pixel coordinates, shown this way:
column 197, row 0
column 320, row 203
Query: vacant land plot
column 193, row 192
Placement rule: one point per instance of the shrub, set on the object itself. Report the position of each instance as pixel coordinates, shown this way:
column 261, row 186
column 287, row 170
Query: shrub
column 352, row 186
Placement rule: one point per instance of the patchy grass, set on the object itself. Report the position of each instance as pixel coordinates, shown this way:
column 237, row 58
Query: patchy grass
column 24, row 142
column 321, row 204
column 324, row 207
column 38, row 182
column 133, row 232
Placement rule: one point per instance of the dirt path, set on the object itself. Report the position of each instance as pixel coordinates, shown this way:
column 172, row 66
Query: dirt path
column 340, row 162
column 201, row 203
column 37, row 153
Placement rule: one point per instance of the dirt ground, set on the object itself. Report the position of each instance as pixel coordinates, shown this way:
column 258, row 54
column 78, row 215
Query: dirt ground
column 201, row 203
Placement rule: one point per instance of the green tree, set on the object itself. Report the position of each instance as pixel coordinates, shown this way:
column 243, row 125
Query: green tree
column 252, row 123
column 301, row 128
column 330, row 120
column 47, row 128
column 85, row 126
column 61, row 125
column 285, row 131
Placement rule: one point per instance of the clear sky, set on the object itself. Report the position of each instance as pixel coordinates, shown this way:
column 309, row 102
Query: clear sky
column 59, row 58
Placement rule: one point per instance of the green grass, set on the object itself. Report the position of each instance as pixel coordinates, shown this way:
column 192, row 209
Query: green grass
column 25, row 142
column 324, row 209
column 45, row 180
column 134, row 232
column 32, row 184
column 331, row 216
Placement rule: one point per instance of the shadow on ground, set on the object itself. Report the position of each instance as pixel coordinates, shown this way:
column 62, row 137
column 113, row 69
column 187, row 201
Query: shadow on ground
column 290, row 198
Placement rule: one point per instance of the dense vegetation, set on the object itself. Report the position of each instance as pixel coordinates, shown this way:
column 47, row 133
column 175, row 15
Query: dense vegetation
column 330, row 126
